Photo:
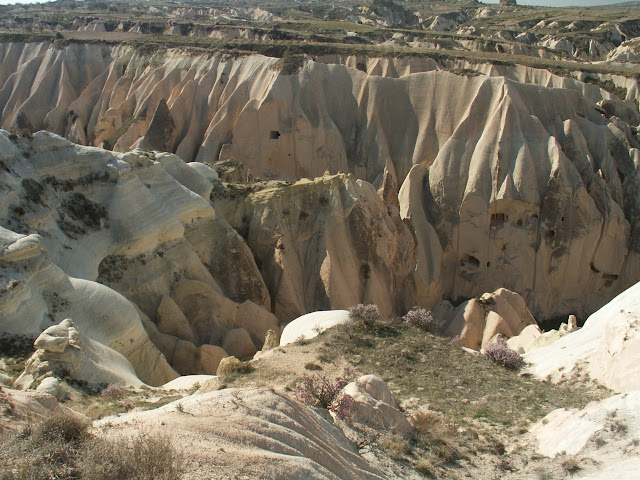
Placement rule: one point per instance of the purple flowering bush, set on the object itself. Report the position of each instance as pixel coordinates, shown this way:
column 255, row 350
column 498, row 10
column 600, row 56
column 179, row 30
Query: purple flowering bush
column 424, row 320
column 319, row 391
column 113, row 390
column 368, row 315
column 502, row 355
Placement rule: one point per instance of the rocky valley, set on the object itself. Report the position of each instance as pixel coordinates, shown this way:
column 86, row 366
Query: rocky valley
column 214, row 217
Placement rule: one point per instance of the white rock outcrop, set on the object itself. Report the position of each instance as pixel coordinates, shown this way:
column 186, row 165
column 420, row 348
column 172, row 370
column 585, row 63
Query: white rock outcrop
column 63, row 350
column 311, row 325
column 606, row 348
column 602, row 430
column 252, row 433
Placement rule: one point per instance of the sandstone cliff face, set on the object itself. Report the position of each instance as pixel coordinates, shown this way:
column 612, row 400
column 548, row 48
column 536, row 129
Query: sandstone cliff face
column 522, row 186
column 327, row 244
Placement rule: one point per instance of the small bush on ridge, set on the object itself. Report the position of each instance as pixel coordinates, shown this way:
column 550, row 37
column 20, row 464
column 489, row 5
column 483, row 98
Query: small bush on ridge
column 424, row 320
column 502, row 355
column 319, row 391
column 113, row 390
column 368, row 315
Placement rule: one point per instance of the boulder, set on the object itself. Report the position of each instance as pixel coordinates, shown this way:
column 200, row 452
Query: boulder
column 228, row 365
column 311, row 325
column 270, row 341
column 478, row 321
column 525, row 340
column 238, row 343
column 51, row 386
column 375, row 406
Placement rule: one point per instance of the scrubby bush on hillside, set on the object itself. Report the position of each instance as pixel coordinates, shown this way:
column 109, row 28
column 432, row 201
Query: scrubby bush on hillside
column 319, row 391
column 61, row 446
column 424, row 320
column 502, row 355
column 368, row 315
column 113, row 390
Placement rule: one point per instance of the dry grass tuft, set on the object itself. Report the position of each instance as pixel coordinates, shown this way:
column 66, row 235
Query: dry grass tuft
column 144, row 457
column 61, row 447
column 571, row 465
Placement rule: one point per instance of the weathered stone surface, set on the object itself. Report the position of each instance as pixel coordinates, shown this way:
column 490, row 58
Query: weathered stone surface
column 600, row 430
column 269, row 433
column 375, row 406
column 210, row 357
column 325, row 244
column 161, row 134
column 51, row 386
column 171, row 320
column 238, row 343
column 63, row 348
column 30, row 406
column 606, row 348
column 525, row 340
column 478, row 321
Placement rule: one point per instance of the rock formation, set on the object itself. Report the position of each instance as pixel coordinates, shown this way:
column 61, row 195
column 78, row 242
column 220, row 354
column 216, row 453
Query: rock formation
column 376, row 407
column 35, row 292
column 503, row 182
column 253, row 433
column 479, row 321
column 63, row 350
column 605, row 349
column 159, row 267
column 311, row 325
column 330, row 243
column 597, row 431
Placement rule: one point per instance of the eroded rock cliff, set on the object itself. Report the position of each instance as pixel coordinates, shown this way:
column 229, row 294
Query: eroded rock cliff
column 524, row 180
column 118, row 242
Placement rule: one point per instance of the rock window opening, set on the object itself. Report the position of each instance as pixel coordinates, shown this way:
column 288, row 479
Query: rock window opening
column 274, row 134
column 497, row 220
column 469, row 261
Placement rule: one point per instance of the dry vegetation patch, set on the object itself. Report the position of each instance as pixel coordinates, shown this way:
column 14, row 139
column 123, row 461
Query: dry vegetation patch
column 63, row 447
